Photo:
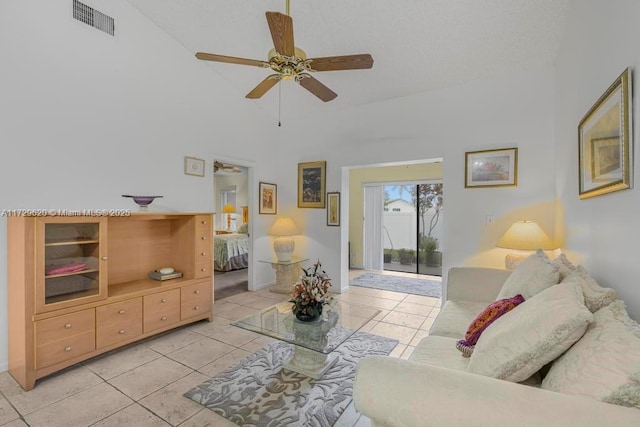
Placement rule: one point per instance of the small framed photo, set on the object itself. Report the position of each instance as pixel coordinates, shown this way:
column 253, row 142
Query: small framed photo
column 491, row 168
column 311, row 184
column 268, row 198
column 193, row 166
column 333, row 209
column 604, row 141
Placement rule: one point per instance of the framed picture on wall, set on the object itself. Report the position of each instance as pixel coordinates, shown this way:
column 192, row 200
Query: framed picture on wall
column 268, row 204
column 491, row 168
column 193, row 166
column 333, row 209
column 604, row 141
column 311, row 184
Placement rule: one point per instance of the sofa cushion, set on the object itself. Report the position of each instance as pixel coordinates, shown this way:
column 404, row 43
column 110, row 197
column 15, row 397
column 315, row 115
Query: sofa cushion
column 605, row 363
column 533, row 275
column 439, row 351
column 522, row 341
column 486, row 317
column 595, row 296
column 454, row 318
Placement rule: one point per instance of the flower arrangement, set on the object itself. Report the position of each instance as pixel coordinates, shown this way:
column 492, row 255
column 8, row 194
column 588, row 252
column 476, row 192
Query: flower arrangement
column 311, row 292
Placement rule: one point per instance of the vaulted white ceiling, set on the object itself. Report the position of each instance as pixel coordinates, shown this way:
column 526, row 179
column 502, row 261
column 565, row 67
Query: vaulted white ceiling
column 417, row 45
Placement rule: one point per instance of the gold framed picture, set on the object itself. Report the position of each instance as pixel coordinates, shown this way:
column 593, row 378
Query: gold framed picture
column 333, row 209
column 268, row 198
column 604, row 142
column 193, row 166
column 311, row 184
column 491, row 168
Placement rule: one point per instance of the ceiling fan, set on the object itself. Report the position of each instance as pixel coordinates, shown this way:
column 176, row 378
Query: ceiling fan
column 291, row 63
column 222, row 167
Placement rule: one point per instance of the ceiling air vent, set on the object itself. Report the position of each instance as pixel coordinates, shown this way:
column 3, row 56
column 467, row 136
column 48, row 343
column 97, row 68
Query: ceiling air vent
column 90, row 16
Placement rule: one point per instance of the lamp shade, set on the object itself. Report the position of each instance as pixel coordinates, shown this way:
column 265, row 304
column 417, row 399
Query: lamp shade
column 229, row 209
column 526, row 236
column 284, row 227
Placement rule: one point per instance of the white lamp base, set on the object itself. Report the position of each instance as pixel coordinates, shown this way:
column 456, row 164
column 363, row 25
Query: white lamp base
column 284, row 247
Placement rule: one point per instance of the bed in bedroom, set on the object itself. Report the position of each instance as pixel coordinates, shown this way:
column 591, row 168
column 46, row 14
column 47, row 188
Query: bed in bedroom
column 230, row 251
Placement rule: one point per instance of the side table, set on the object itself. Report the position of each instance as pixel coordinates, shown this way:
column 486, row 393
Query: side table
column 287, row 273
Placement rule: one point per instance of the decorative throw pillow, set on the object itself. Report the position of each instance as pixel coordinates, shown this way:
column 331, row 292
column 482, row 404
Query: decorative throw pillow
column 243, row 229
column 484, row 319
column 605, row 363
column 595, row 296
column 534, row 274
column 522, row 341
column 565, row 267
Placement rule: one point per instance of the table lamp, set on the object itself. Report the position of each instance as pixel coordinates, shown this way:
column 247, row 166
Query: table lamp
column 523, row 236
column 229, row 209
column 284, row 245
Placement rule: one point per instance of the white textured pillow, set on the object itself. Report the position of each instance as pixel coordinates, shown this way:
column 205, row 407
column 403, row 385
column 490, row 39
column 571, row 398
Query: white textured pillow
column 595, row 296
column 531, row 335
column 534, row 274
column 565, row 267
column 605, row 363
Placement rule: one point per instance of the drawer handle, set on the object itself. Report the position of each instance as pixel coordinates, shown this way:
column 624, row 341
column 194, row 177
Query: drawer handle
column 121, row 332
column 196, row 291
column 164, row 300
column 204, row 222
column 203, row 254
column 204, row 269
column 67, row 326
column 104, row 258
column 163, row 318
column 204, row 237
column 121, row 311
column 196, row 308
column 67, row 348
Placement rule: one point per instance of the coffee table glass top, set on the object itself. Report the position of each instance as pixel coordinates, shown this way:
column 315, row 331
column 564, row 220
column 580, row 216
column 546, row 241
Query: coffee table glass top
column 337, row 323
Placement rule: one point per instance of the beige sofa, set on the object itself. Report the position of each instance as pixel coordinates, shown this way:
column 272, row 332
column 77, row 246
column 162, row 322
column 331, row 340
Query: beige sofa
column 435, row 388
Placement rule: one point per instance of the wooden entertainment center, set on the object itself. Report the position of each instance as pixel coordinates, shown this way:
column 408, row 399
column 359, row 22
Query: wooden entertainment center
column 79, row 285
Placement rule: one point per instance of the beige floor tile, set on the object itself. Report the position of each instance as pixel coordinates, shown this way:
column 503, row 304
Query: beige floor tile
column 369, row 326
column 207, row 418
column 234, row 336
column 407, row 352
column 223, row 363
column 428, row 322
column 258, row 344
column 401, row 333
column 398, row 350
column 233, row 311
column 16, row 423
column 174, row 340
column 47, row 390
column 349, row 308
column 145, row 379
column 418, row 337
column 243, row 298
column 382, row 314
column 404, row 319
column 201, row 353
column 169, row 402
column 261, row 303
column 369, row 301
column 82, row 409
column 411, row 308
column 423, row 300
column 7, row 413
column 120, row 361
column 378, row 293
column 132, row 415
column 434, row 312
column 209, row 328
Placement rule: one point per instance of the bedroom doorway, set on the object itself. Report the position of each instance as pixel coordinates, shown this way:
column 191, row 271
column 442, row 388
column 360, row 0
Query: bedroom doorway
column 232, row 241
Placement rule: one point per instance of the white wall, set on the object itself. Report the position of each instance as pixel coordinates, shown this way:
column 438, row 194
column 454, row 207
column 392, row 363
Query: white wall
column 514, row 110
column 87, row 117
column 600, row 42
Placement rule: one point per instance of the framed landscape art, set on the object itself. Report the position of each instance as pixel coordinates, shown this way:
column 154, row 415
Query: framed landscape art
column 604, row 142
column 333, row 209
column 311, row 184
column 268, row 198
column 491, row 168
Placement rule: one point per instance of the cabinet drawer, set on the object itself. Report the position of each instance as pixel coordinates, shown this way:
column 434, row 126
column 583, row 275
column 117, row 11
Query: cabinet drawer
column 161, row 309
column 203, row 224
column 66, row 326
column 196, row 300
column 64, row 337
column 203, row 268
column 118, row 322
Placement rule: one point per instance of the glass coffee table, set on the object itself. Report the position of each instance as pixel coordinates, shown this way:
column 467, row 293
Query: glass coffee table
column 314, row 341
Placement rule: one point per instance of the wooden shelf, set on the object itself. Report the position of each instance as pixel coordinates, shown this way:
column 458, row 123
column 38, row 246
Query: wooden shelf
column 143, row 286
column 71, row 242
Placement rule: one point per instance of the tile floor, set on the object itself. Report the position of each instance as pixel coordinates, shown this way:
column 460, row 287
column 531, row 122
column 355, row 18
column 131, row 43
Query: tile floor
column 142, row 385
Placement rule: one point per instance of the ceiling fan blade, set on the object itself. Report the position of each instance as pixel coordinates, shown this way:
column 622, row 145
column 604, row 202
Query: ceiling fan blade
column 264, row 86
column 231, row 59
column 336, row 63
column 315, row 87
column 281, row 27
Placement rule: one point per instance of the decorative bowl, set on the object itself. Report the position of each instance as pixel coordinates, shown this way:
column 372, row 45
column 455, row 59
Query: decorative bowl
column 142, row 201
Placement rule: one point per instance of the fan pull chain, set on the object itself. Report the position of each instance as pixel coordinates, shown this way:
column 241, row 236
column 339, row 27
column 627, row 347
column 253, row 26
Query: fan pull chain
column 279, row 101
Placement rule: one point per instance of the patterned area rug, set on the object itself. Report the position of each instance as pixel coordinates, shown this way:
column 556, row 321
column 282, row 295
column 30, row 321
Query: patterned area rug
column 258, row 392
column 407, row 285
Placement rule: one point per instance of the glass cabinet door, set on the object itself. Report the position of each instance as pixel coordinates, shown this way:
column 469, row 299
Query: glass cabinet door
column 70, row 267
